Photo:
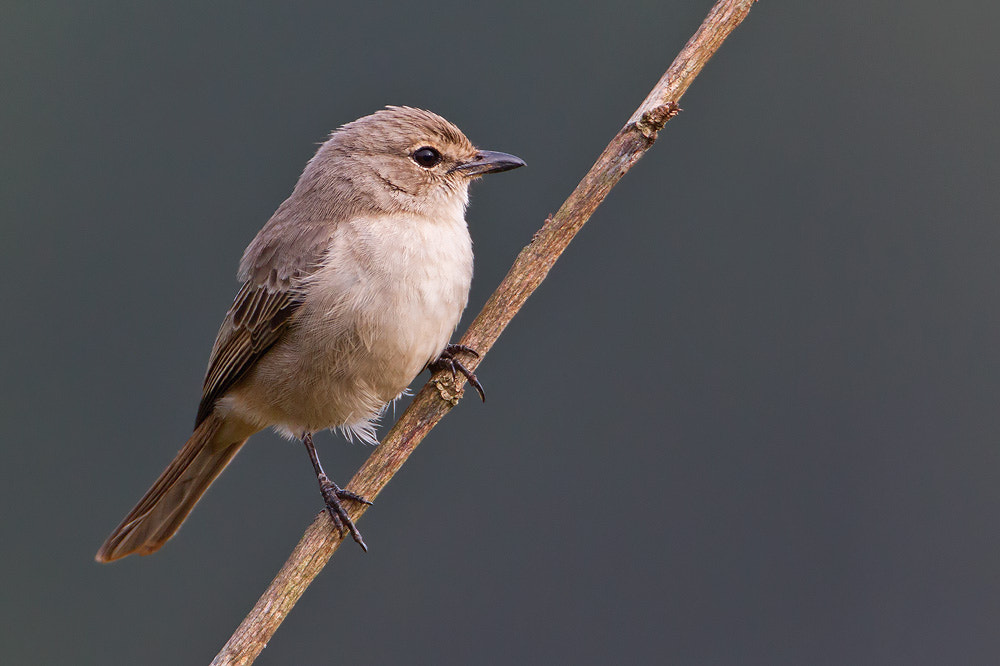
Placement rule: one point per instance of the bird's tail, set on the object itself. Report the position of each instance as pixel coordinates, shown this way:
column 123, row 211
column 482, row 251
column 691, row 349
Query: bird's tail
column 164, row 507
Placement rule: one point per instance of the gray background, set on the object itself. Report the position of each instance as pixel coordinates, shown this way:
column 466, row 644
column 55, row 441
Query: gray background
column 750, row 418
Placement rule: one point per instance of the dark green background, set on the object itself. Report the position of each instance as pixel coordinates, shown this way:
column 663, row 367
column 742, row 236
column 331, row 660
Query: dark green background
column 750, row 418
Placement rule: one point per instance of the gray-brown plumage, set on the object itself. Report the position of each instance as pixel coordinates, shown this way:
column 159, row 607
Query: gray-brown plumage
column 353, row 286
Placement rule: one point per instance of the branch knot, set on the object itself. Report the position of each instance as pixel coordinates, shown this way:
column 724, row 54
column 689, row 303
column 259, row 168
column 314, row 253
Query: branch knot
column 652, row 121
column 447, row 390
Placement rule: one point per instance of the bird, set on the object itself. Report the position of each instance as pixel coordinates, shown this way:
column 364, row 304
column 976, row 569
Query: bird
column 351, row 289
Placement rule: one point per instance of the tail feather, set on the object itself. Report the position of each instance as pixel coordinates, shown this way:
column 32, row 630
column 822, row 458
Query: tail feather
column 163, row 508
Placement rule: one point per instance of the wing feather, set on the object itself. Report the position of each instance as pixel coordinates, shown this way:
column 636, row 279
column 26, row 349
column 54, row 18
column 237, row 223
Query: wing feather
column 260, row 315
column 289, row 249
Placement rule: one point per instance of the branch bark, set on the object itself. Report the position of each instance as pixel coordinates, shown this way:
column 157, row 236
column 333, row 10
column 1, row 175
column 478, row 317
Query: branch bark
column 440, row 394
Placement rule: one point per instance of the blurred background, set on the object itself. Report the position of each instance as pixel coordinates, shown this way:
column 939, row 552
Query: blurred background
column 751, row 417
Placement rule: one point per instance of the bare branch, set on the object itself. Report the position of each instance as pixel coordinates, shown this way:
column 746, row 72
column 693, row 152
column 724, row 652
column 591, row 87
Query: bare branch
column 531, row 266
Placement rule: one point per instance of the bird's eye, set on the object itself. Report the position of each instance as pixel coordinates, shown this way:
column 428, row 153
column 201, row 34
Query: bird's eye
column 426, row 157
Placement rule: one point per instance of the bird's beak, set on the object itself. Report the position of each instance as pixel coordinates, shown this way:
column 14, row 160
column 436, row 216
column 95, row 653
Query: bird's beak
column 488, row 161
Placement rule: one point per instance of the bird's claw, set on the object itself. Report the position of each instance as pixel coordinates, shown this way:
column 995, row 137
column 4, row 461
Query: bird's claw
column 333, row 495
column 447, row 361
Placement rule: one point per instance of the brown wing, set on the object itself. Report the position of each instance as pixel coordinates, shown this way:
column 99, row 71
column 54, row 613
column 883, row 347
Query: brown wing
column 258, row 318
column 289, row 248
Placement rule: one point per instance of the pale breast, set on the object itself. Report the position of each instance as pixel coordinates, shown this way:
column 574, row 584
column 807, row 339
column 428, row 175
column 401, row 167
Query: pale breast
column 383, row 305
column 410, row 284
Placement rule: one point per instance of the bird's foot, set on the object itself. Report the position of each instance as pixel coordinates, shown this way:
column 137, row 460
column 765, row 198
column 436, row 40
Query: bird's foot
column 447, row 361
column 333, row 495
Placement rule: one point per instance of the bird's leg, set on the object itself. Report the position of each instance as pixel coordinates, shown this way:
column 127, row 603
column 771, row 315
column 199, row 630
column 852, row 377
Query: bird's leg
column 447, row 361
column 333, row 494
